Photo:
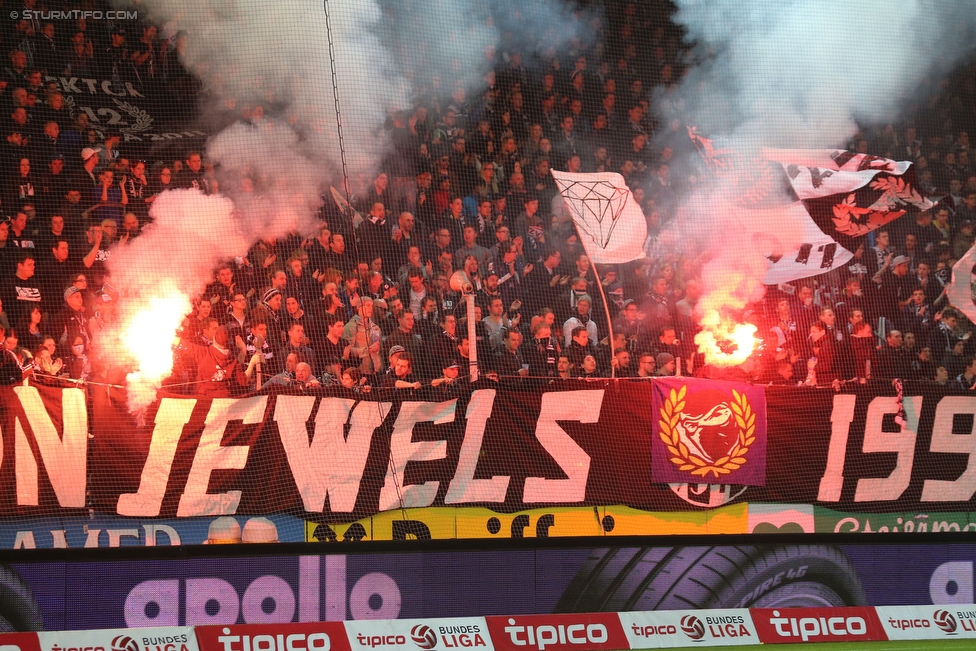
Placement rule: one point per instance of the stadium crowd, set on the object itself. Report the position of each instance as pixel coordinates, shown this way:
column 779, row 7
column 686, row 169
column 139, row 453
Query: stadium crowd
column 367, row 302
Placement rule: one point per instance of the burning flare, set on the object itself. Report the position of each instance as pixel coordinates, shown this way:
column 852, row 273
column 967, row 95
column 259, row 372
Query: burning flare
column 725, row 342
column 147, row 336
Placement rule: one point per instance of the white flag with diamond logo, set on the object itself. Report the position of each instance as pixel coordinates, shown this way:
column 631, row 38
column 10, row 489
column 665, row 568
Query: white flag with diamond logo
column 610, row 223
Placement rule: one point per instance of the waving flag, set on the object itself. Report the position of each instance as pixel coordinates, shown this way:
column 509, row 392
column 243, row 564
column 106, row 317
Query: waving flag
column 960, row 290
column 610, row 223
column 833, row 198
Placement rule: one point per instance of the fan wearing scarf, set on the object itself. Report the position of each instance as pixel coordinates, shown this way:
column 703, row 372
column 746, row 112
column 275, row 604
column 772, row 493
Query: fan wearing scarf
column 580, row 319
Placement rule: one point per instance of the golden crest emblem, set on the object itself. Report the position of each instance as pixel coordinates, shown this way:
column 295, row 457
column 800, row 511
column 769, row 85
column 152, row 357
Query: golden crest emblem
column 706, row 433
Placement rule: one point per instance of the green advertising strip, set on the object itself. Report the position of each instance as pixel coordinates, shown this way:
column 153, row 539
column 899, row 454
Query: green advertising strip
column 828, row 521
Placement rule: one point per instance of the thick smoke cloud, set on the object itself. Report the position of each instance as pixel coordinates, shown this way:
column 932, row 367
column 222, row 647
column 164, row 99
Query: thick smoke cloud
column 803, row 74
column 267, row 75
column 790, row 75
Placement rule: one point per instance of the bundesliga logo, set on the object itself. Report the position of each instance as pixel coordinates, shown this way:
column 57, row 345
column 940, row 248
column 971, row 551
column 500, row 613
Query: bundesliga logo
column 693, row 627
column 706, row 432
column 423, row 636
column 944, row 620
column 124, row 643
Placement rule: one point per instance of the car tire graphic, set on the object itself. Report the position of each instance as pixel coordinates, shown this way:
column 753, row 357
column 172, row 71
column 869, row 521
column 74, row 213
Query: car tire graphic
column 18, row 608
column 675, row 578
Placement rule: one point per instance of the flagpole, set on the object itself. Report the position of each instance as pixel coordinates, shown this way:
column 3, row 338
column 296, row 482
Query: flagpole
column 599, row 281
column 606, row 308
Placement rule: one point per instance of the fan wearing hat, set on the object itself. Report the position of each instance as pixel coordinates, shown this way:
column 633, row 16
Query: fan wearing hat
column 269, row 311
column 86, row 178
column 895, row 286
column 450, row 369
column 71, row 321
column 115, row 57
column 402, row 376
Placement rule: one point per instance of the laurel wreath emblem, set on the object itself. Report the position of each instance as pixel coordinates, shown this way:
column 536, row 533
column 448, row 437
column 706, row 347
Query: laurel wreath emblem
column 681, row 456
column 142, row 119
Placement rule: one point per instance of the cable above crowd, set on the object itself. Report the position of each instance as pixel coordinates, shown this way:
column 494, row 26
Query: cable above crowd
column 365, row 301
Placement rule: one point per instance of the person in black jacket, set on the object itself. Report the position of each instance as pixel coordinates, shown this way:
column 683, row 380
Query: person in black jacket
column 11, row 372
column 374, row 236
column 893, row 360
column 542, row 352
column 508, row 359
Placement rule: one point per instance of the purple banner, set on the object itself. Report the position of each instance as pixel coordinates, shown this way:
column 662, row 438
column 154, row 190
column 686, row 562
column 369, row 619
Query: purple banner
column 708, row 432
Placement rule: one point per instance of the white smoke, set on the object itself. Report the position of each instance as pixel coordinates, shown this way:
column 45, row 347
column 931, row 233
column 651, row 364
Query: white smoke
column 803, row 74
column 158, row 272
column 270, row 72
column 791, row 74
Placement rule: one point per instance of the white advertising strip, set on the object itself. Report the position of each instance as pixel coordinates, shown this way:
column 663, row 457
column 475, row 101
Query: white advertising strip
column 947, row 622
column 172, row 638
column 423, row 634
column 682, row 628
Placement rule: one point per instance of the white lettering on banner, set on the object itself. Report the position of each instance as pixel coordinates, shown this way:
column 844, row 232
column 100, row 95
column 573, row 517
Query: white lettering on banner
column 292, row 642
column 464, row 487
column 944, row 441
column 65, row 459
column 211, row 455
column 331, row 465
column 115, row 536
column 25, row 540
column 832, row 482
column 153, row 529
column 548, row 635
column 25, row 465
column 171, row 418
column 890, row 487
column 675, row 628
column 168, row 638
column 107, row 89
column 808, row 627
column 403, row 449
column 581, row 406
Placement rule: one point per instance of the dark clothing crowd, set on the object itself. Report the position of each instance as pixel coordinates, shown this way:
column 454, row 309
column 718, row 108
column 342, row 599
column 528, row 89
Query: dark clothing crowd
column 367, row 300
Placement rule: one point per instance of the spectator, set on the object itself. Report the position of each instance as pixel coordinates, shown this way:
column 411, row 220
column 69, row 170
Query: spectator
column 21, row 291
column 893, row 362
column 542, row 353
column 296, row 343
column 365, row 338
column 665, row 364
column 646, row 365
column 192, row 176
column 402, row 376
column 580, row 319
column 966, row 381
column 922, row 366
column 472, row 248
column 508, row 360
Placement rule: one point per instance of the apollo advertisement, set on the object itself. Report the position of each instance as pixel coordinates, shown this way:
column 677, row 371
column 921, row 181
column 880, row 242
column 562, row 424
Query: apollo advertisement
column 491, row 461
column 647, row 585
